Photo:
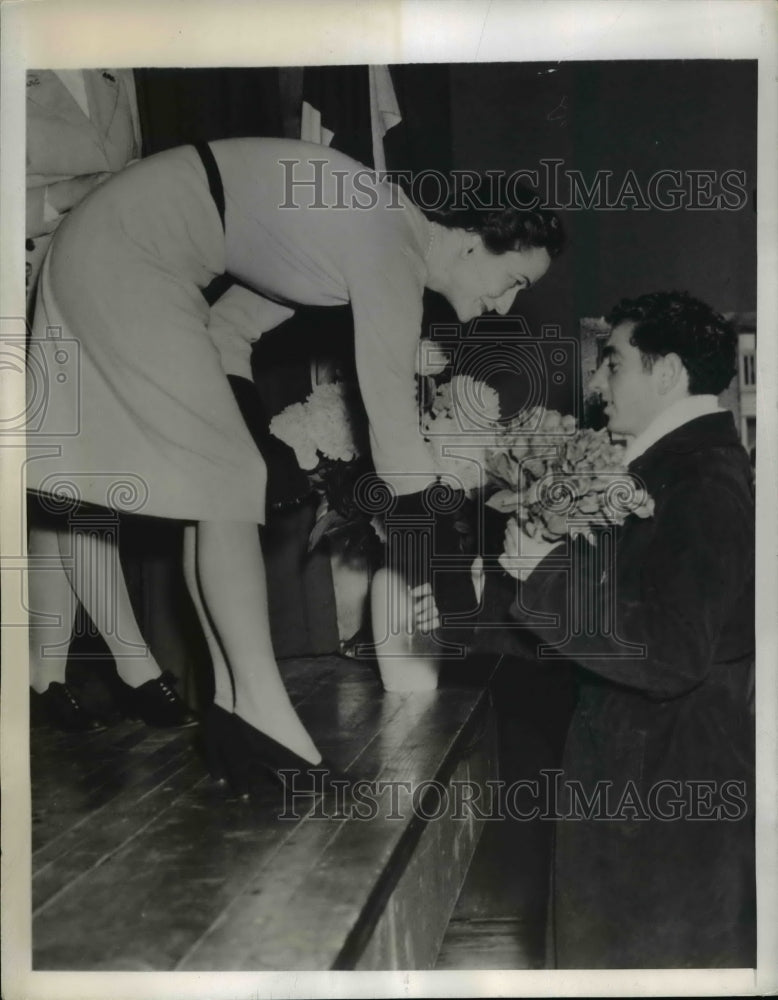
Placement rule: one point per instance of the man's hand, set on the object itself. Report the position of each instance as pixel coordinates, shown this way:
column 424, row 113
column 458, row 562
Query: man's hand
column 423, row 611
column 522, row 553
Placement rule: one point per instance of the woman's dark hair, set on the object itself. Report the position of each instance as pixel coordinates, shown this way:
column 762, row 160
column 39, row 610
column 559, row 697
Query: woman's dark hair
column 504, row 213
column 676, row 323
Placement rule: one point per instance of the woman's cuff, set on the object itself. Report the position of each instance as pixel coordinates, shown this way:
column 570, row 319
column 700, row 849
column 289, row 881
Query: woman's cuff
column 424, row 529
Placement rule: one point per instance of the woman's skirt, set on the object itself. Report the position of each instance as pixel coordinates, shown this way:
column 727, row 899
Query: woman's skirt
column 128, row 404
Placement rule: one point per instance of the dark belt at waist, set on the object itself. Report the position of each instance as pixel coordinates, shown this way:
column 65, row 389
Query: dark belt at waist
column 221, row 282
column 214, row 177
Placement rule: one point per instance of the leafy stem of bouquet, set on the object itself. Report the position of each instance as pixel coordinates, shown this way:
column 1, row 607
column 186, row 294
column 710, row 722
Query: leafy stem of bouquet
column 338, row 517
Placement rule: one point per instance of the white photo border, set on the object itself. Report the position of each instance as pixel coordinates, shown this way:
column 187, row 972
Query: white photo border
column 141, row 33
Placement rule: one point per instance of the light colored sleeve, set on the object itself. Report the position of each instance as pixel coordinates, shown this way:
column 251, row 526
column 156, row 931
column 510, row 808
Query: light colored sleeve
column 386, row 290
column 238, row 319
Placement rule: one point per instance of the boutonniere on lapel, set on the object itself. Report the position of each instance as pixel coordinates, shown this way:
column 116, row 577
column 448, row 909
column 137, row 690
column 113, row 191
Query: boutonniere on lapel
column 33, row 80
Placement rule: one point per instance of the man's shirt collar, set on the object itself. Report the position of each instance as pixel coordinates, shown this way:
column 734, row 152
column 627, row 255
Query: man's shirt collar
column 671, row 419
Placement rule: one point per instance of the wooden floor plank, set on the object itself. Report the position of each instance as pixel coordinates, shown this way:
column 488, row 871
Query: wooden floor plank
column 311, row 907
column 72, row 775
column 237, row 940
column 157, row 893
column 255, row 823
column 85, row 846
column 143, row 862
column 77, row 798
column 75, row 774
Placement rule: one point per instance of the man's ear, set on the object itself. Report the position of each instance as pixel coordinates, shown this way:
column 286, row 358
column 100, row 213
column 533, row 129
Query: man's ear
column 672, row 372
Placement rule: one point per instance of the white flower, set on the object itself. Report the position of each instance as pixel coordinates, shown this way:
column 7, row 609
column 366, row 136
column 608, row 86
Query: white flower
column 378, row 525
column 329, row 422
column 322, row 425
column 459, row 426
column 431, row 359
column 291, row 426
column 474, row 404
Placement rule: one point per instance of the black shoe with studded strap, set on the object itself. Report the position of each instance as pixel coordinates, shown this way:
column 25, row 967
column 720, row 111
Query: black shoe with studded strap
column 157, row 703
column 64, row 710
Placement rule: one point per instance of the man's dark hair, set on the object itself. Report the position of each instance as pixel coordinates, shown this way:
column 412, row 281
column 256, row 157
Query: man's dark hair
column 505, row 216
column 676, row 323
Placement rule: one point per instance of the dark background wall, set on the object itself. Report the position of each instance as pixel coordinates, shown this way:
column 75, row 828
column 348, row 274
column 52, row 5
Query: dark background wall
column 620, row 116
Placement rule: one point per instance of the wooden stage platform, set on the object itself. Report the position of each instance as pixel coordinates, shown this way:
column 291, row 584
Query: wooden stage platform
column 141, row 862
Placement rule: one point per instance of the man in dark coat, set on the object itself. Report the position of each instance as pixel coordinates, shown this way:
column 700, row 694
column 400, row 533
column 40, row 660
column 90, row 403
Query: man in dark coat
column 654, row 853
column 664, row 710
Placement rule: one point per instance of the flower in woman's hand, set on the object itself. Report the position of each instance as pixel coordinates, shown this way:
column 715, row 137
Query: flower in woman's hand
column 460, row 424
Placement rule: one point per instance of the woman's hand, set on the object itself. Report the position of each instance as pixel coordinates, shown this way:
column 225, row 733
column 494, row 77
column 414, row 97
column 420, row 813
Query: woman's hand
column 523, row 554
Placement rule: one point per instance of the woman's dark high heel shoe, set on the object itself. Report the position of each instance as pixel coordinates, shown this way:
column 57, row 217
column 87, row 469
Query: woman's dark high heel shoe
column 216, row 718
column 295, row 773
column 224, row 750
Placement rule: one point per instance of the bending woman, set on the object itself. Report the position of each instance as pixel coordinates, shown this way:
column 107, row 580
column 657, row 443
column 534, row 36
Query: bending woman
column 298, row 224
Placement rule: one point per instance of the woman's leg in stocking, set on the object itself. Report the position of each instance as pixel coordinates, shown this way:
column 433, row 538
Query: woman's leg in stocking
column 52, row 606
column 91, row 558
column 234, row 589
column 224, row 695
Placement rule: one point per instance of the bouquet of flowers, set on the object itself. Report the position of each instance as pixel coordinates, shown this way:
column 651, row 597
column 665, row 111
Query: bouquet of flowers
column 557, row 479
column 460, row 421
column 328, row 433
column 320, row 428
